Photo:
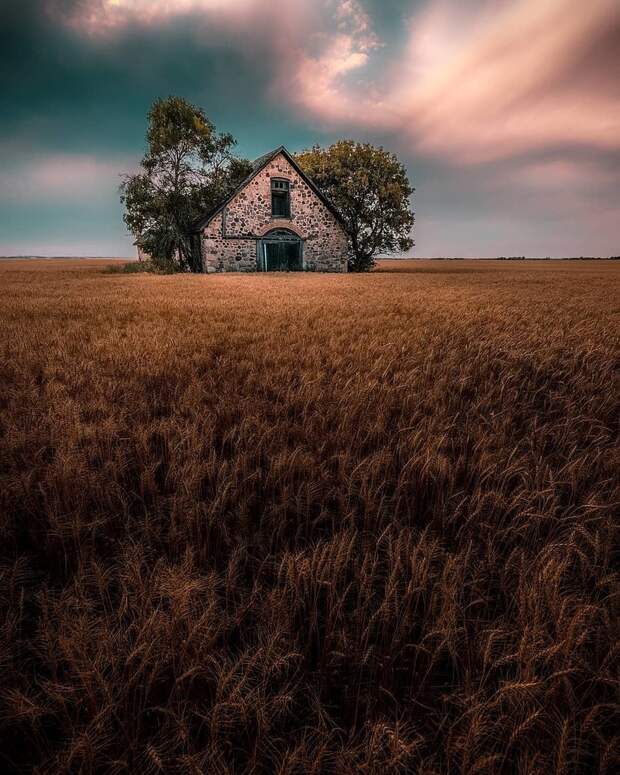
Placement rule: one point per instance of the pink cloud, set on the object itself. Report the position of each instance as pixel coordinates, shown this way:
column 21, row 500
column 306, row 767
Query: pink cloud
column 99, row 17
column 474, row 81
column 321, row 74
column 515, row 83
column 511, row 78
column 563, row 174
column 62, row 177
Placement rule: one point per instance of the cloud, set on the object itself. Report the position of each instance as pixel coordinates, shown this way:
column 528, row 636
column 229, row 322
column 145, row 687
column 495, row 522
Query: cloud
column 99, row 17
column 62, row 177
column 61, row 203
column 309, row 47
column 512, row 78
column 474, row 80
column 506, row 111
column 533, row 75
column 564, row 174
column 316, row 81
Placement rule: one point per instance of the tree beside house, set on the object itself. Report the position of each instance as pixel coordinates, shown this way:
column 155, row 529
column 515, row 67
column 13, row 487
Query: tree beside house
column 195, row 206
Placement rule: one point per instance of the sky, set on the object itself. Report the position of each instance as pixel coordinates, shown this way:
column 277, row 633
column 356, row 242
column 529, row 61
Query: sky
column 506, row 113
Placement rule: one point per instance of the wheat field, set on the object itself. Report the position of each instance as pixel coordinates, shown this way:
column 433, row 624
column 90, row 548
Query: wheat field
column 310, row 523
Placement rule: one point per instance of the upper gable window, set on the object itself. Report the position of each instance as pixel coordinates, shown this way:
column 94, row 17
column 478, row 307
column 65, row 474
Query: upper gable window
column 280, row 198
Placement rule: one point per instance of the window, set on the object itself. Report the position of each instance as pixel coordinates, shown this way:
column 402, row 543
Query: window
column 280, row 198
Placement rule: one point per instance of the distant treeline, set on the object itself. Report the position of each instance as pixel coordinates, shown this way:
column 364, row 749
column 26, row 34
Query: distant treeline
column 522, row 258
column 548, row 258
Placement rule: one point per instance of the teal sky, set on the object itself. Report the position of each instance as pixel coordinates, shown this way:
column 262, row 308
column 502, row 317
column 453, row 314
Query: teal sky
column 506, row 113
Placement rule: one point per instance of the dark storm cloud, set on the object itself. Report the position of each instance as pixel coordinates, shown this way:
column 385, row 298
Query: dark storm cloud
column 65, row 91
column 74, row 109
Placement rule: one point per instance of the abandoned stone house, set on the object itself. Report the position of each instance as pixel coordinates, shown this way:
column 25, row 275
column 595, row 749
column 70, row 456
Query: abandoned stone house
column 276, row 220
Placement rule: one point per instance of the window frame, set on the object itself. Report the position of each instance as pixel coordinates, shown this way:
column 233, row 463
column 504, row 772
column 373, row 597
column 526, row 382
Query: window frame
column 280, row 188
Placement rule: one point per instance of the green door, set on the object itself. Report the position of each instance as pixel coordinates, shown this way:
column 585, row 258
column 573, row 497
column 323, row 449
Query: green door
column 282, row 255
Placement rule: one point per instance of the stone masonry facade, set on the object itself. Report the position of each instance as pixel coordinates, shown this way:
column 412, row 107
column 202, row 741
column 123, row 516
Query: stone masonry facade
column 231, row 240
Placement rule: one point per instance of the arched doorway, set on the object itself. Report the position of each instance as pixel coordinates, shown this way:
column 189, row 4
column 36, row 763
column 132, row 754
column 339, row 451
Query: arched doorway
column 280, row 250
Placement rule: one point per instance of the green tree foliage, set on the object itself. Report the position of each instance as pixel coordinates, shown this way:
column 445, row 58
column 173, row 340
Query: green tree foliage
column 370, row 188
column 187, row 169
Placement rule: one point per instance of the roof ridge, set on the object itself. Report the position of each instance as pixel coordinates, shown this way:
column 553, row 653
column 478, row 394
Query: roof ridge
column 266, row 156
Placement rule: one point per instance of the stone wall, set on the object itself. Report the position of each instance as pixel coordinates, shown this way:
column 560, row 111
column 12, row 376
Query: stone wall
column 229, row 241
column 221, row 254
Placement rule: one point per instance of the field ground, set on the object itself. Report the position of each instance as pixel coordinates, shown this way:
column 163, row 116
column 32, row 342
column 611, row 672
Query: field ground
column 310, row 523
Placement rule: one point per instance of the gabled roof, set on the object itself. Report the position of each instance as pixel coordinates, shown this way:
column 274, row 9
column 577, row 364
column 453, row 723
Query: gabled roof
column 257, row 166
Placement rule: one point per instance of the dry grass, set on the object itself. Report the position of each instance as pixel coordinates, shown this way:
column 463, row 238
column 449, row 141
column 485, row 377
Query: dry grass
column 310, row 524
